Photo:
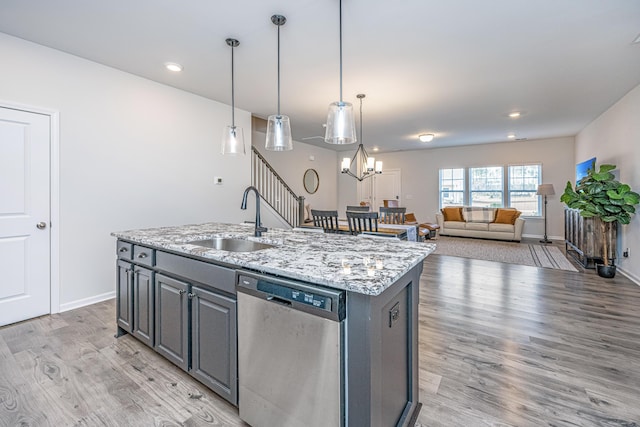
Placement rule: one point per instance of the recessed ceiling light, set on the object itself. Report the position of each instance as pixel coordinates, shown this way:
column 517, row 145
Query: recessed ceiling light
column 375, row 148
column 426, row 137
column 511, row 136
column 172, row 66
column 514, row 115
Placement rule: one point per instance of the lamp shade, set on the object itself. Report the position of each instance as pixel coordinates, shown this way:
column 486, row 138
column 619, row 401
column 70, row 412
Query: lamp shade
column 278, row 134
column 341, row 127
column 545, row 190
column 232, row 140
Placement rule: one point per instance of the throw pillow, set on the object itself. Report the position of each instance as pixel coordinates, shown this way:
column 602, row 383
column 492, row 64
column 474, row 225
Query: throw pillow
column 478, row 214
column 506, row 216
column 453, row 213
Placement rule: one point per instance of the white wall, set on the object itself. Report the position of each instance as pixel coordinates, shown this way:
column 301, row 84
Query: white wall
column 133, row 154
column 291, row 166
column 420, row 174
column 614, row 138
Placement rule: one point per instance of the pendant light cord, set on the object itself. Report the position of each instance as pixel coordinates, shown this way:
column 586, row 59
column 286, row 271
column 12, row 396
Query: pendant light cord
column 278, row 70
column 361, row 138
column 340, row 51
column 233, row 108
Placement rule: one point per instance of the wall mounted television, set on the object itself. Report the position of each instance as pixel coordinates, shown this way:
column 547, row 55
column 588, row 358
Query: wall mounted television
column 582, row 168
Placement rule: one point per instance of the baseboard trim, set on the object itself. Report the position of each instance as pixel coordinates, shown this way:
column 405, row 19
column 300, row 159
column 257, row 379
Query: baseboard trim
column 86, row 301
column 629, row 276
column 555, row 239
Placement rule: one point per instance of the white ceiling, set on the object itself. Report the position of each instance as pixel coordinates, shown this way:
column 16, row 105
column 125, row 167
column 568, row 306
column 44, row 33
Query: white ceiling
column 453, row 68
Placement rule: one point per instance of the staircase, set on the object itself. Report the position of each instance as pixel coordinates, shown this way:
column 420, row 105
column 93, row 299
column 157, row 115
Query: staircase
column 275, row 191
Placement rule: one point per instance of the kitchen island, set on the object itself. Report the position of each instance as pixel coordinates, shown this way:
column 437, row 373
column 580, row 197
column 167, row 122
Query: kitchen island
column 166, row 278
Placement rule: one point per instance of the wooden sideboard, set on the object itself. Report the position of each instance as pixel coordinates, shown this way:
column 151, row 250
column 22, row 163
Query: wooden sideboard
column 584, row 238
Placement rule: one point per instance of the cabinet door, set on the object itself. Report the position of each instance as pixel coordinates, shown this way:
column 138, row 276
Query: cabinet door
column 172, row 320
column 143, row 307
column 124, row 295
column 214, row 342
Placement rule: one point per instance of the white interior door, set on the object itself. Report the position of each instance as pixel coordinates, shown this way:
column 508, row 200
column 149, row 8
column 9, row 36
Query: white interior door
column 386, row 186
column 25, row 278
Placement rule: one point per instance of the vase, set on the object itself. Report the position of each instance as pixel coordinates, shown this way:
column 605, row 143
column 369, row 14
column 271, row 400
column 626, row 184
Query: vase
column 606, row 271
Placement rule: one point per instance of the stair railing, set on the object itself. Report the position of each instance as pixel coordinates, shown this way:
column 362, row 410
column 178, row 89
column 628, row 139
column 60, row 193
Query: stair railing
column 275, row 191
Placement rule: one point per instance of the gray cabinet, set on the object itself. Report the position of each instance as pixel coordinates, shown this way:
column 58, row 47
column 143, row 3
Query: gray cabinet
column 184, row 308
column 134, row 291
column 124, row 295
column 214, row 342
column 143, row 305
column 172, row 320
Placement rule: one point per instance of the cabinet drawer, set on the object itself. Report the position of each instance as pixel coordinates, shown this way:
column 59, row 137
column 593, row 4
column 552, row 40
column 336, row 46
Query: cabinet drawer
column 143, row 255
column 124, row 250
column 217, row 277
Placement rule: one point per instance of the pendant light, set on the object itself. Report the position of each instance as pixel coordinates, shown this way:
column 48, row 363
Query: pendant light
column 341, row 127
column 232, row 136
column 278, row 126
column 368, row 164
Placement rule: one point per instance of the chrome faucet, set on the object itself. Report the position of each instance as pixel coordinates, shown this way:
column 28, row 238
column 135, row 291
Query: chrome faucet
column 259, row 228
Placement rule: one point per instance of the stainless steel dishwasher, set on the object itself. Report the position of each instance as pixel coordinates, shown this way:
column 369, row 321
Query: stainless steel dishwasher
column 290, row 356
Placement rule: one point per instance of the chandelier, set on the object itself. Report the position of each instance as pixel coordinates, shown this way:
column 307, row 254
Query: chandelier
column 368, row 165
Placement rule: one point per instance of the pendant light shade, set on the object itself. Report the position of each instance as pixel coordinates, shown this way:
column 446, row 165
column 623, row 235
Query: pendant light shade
column 232, row 136
column 341, row 127
column 232, row 140
column 278, row 126
column 279, row 134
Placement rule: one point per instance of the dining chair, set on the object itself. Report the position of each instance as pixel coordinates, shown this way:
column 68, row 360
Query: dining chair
column 358, row 208
column 328, row 220
column 362, row 221
column 392, row 215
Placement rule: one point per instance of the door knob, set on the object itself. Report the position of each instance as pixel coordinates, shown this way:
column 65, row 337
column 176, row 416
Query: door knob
column 41, row 225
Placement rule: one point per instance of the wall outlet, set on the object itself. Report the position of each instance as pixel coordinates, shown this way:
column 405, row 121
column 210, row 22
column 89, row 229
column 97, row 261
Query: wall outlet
column 626, row 253
column 217, row 180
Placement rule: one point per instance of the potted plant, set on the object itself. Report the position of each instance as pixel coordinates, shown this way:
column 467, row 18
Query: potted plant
column 601, row 196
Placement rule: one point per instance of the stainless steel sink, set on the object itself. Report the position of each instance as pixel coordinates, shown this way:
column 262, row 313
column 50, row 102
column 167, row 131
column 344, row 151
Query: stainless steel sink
column 231, row 245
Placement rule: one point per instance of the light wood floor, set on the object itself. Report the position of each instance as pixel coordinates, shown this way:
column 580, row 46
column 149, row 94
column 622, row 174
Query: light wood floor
column 500, row 345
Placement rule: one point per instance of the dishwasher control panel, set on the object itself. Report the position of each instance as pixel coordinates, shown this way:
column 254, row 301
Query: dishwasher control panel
column 314, row 299
column 309, row 298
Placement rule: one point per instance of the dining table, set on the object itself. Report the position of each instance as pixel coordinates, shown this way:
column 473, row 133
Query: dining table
column 401, row 231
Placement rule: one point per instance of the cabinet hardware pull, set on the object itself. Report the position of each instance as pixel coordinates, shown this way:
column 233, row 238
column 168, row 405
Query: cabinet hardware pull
column 123, row 249
column 192, row 295
column 181, row 291
column 142, row 255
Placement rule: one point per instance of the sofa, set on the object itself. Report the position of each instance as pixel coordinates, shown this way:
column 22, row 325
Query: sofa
column 485, row 223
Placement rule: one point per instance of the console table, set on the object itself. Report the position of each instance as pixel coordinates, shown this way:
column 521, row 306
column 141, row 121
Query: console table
column 584, row 238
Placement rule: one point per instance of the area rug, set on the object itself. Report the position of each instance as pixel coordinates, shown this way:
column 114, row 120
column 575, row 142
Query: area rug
column 546, row 256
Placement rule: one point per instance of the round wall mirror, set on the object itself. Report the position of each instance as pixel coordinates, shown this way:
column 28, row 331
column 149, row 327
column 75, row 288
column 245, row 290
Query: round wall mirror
column 311, row 181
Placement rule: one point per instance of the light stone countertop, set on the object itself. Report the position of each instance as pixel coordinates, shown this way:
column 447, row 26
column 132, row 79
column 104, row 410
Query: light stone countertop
column 312, row 257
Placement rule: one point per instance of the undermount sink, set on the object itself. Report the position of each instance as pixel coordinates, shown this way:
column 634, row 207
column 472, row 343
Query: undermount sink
column 230, row 244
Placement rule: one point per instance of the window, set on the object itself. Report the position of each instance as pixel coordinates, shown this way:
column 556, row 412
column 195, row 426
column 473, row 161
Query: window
column 486, row 187
column 451, row 187
column 523, row 185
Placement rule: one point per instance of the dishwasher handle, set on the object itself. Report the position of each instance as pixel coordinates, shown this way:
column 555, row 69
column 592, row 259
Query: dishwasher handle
column 280, row 301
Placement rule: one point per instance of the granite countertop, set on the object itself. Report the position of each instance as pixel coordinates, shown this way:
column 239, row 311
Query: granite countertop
column 334, row 260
